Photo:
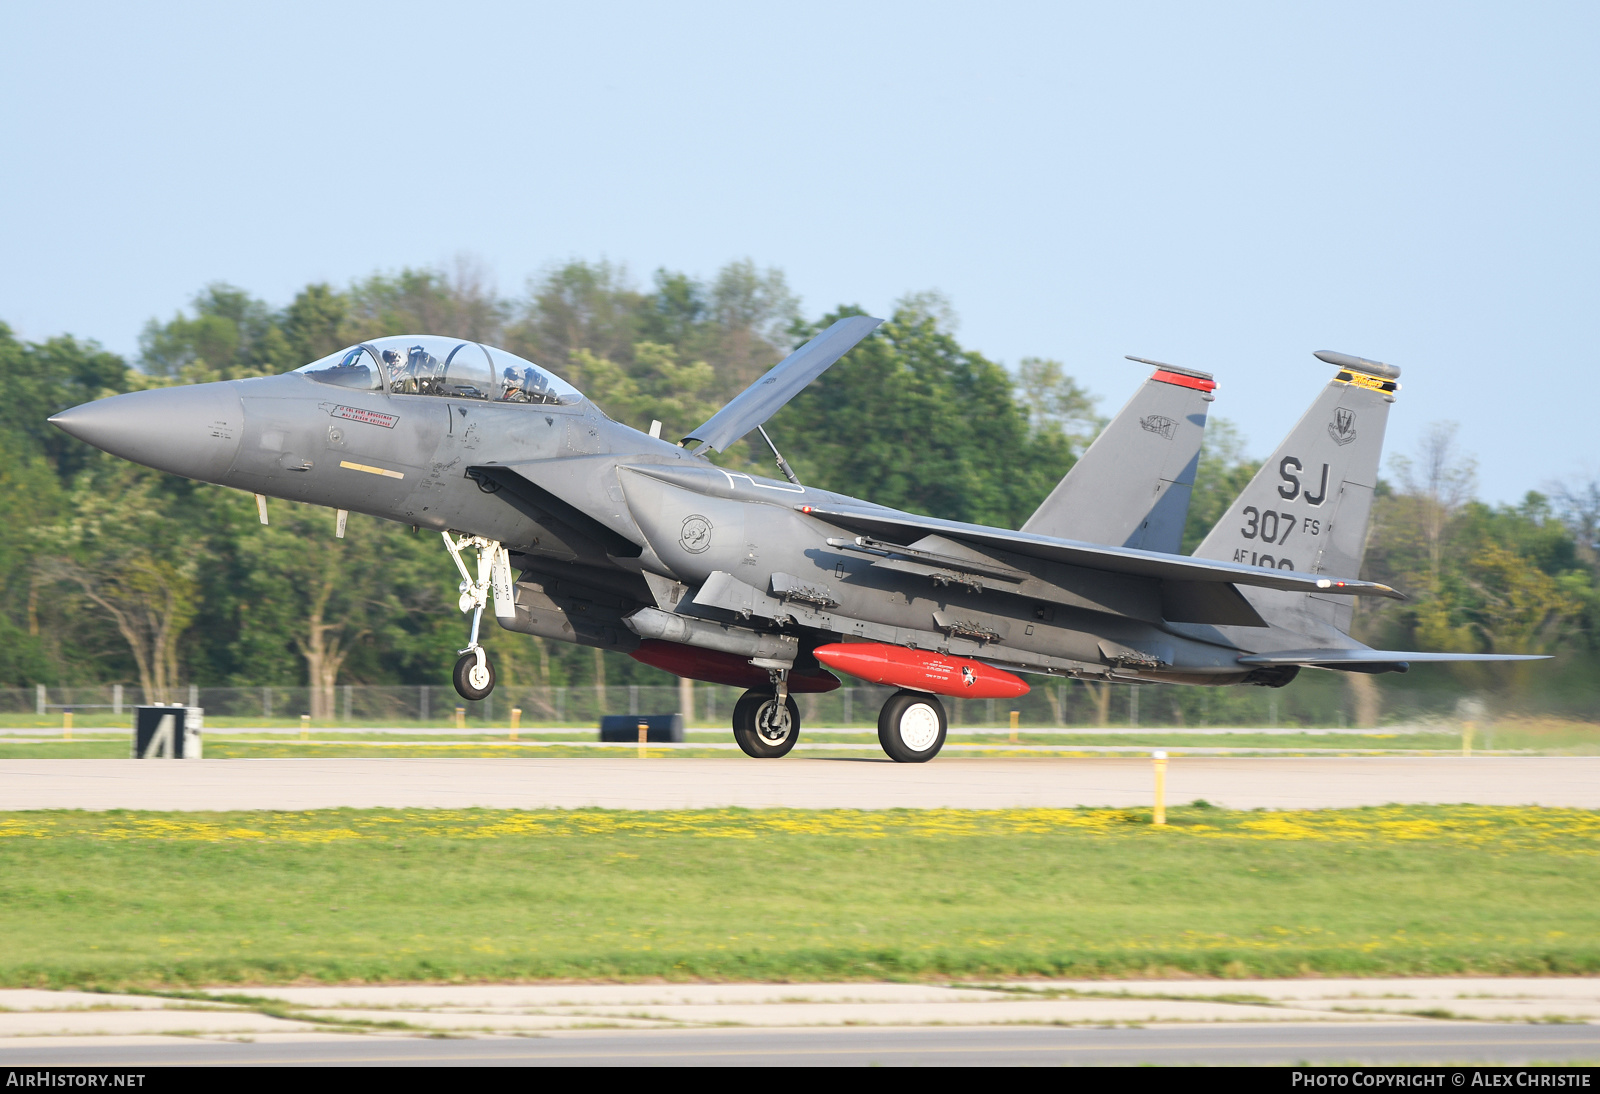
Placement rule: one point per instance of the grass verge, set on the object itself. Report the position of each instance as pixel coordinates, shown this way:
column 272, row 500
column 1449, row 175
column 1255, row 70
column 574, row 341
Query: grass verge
column 153, row 900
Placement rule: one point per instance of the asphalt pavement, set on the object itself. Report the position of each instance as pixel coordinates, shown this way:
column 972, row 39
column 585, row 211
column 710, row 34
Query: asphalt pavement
column 1435, row 1043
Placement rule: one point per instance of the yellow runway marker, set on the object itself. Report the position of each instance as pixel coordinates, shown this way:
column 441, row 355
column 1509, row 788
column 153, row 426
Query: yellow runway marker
column 1160, row 759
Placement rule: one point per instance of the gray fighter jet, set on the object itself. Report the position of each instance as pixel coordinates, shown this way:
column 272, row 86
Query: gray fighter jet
column 581, row 529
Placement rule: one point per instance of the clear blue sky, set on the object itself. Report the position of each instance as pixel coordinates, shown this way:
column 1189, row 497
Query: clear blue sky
column 1227, row 187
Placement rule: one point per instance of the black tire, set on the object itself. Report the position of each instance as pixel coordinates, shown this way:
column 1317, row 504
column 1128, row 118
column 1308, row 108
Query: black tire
column 905, row 728
column 753, row 728
column 463, row 677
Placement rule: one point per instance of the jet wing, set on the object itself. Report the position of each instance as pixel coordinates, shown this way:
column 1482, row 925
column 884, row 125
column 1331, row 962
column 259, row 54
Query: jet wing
column 1333, row 659
column 906, row 527
column 786, row 379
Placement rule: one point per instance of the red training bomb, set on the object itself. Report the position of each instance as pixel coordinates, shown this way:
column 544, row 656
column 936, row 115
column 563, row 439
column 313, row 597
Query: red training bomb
column 921, row 670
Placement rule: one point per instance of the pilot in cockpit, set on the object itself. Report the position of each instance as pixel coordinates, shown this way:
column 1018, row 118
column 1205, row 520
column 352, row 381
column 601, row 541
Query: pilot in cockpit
column 398, row 380
column 421, row 372
column 527, row 387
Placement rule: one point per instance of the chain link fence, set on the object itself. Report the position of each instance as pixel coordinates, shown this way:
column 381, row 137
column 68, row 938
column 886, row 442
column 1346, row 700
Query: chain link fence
column 1323, row 701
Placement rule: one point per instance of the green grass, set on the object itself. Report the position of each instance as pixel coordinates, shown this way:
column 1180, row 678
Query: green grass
column 166, row 900
column 336, row 742
column 1544, row 736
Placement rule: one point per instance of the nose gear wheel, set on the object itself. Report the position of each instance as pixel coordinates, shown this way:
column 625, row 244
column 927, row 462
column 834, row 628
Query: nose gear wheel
column 474, row 674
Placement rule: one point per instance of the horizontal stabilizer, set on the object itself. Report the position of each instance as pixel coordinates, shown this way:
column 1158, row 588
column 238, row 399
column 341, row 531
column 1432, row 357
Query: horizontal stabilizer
column 786, row 379
column 1337, row 658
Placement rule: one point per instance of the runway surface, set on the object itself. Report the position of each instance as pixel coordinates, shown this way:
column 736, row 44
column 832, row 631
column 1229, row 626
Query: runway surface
column 671, row 783
column 1442, row 1043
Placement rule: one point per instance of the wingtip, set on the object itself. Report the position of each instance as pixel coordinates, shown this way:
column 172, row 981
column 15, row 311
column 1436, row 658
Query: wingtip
column 1360, row 588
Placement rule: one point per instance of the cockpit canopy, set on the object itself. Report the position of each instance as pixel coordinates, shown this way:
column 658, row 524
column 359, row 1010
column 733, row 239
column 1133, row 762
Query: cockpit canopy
column 432, row 365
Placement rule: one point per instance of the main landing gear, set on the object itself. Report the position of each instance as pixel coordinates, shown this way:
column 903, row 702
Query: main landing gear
column 766, row 724
column 911, row 726
column 474, row 672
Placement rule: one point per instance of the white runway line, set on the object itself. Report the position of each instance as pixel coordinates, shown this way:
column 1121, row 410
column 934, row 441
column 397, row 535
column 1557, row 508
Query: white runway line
column 690, row 783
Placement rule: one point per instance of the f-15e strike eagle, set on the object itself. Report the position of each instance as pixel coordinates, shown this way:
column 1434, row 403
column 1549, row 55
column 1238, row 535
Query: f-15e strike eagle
column 588, row 531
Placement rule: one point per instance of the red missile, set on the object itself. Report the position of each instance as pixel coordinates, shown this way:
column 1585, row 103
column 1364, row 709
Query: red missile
column 921, row 670
column 717, row 667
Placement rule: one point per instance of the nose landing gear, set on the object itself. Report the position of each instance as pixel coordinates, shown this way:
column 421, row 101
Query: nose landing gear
column 474, row 674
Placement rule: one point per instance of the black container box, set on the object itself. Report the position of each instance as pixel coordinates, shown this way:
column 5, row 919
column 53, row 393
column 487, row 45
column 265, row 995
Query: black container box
column 624, row 728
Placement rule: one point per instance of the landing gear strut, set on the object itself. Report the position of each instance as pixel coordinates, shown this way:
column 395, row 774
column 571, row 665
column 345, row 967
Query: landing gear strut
column 474, row 674
column 767, row 723
column 912, row 727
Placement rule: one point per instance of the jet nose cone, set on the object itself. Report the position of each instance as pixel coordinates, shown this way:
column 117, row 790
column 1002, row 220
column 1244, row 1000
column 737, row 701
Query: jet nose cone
column 190, row 431
column 79, row 421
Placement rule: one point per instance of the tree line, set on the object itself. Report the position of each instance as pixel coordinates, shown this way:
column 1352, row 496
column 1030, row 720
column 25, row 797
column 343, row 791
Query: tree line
column 115, row 573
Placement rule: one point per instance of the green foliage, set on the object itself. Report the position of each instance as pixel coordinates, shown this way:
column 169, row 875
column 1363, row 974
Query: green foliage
column 230, row 335
column 43, row 378
column 1223, row 473
column 656, row 387
column 1504, row 579
column 114, row 546
column 316, row 322
column 1055, row 401
column 376, row 603
column 910, row 419
column 675, row 353
column 461, row 304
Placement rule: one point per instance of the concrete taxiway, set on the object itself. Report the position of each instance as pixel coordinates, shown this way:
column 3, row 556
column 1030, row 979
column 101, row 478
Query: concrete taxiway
column 681, row 783
column 1503, row 1021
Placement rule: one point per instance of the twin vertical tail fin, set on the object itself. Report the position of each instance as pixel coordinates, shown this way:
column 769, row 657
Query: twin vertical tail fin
column 1308, row 507
column 1132, row 487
